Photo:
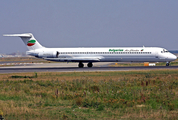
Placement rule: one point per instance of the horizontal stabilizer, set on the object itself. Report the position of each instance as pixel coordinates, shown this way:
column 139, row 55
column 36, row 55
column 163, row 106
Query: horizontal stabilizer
column 19, row 35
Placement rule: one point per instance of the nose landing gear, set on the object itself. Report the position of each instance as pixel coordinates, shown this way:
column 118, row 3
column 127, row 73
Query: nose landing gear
column 167, row 64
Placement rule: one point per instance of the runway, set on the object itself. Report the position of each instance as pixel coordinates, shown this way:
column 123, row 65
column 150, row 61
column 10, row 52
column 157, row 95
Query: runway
column 64, row 67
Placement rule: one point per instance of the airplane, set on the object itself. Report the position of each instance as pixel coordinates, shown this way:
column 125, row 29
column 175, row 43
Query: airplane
column 99, row 54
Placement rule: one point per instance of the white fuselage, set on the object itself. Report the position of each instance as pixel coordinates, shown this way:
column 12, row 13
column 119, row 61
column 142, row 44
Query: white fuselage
column 89, row 55
column 105, row 54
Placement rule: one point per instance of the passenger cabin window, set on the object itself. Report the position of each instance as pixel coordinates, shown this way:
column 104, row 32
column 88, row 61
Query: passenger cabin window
column 163, row 51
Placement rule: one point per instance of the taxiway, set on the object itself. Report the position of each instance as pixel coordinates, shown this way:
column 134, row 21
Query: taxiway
column 72, row 67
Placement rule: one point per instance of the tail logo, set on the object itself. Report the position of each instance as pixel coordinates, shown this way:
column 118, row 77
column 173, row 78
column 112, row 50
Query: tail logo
column 31, row 42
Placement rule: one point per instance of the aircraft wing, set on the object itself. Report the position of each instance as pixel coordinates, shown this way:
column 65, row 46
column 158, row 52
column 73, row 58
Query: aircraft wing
column 76, row 59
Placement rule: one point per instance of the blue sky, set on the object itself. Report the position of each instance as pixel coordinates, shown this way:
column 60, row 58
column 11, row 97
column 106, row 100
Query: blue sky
column 90, row 23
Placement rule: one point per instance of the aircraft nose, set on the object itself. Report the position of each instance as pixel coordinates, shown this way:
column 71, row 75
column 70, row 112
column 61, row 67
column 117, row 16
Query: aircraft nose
column 173, row 57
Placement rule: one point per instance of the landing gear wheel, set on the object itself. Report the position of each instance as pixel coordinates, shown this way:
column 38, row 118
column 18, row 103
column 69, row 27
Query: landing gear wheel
column 80, row 65
column 90, row 64
column 167, row 64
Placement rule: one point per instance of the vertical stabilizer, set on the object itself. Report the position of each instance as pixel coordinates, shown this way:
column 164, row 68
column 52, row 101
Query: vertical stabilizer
column 29, row 40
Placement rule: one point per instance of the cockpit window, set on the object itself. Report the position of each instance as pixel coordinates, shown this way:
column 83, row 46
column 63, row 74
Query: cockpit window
column 164, row 51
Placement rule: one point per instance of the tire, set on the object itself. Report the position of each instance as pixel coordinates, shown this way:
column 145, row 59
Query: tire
column 167, row 64
column 80, row 65
column 90, row 64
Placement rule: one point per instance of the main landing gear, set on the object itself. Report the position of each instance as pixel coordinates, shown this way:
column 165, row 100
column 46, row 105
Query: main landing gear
column 90, row 64
column 81, row 65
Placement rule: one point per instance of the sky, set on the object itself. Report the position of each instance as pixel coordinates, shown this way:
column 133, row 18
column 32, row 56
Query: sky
column 90, row 23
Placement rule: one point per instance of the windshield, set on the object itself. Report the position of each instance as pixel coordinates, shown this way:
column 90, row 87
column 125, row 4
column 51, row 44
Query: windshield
column 164, row 51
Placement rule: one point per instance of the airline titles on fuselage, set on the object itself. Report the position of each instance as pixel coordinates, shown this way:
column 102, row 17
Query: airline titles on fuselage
column 126, row 50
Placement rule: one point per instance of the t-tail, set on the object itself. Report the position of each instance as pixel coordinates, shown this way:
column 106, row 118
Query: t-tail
column 28, row 39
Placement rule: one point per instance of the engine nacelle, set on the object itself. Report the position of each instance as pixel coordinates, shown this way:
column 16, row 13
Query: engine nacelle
column 48, row 54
